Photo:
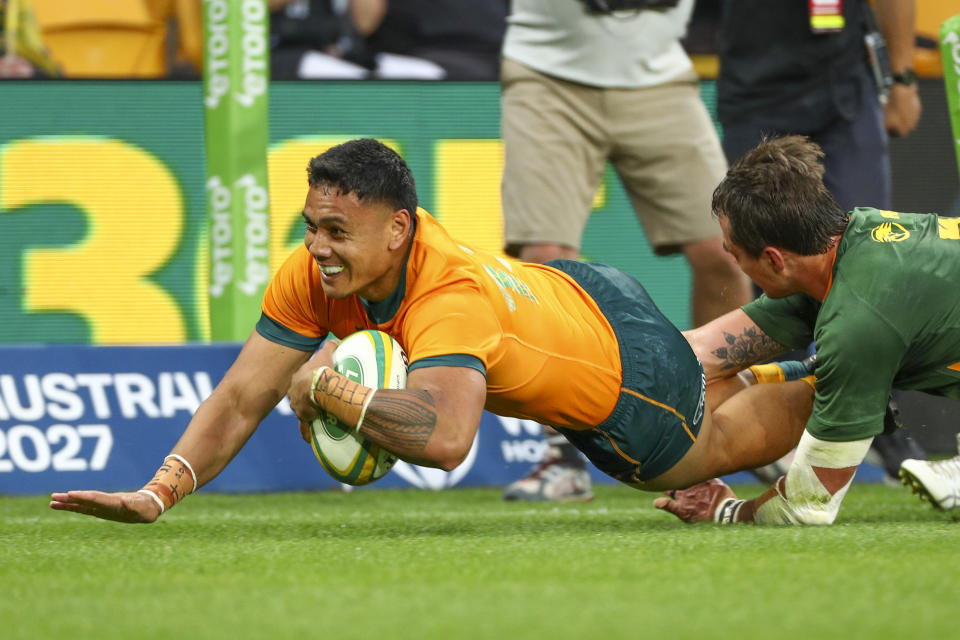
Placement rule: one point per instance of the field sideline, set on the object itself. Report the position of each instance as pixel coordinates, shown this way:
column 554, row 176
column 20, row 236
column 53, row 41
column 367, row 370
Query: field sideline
column 464, row 564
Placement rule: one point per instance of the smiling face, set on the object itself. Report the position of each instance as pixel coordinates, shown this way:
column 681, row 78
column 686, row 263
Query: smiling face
column 358, row 246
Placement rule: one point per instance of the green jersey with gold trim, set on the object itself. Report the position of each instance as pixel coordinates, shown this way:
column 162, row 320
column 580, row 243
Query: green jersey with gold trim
column 890, row 319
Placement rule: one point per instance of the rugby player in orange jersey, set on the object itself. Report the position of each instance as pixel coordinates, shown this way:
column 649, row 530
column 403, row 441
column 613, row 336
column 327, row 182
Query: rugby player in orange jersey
column 577, row 346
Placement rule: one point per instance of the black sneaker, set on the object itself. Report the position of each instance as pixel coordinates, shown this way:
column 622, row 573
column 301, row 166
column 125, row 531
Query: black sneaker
column 894, row 445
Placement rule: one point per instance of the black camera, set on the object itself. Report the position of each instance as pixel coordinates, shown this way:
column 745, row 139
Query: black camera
column 609, row 6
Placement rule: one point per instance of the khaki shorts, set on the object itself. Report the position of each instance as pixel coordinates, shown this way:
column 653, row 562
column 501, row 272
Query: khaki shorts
column 557, row 136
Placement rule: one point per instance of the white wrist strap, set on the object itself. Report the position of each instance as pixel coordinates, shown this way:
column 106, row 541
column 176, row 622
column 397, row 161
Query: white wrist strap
column 363, row 411
column 727, row 512
column 193, row 473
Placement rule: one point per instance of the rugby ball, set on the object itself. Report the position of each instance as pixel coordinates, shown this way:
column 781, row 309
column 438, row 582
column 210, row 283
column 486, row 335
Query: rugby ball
column 373, row 359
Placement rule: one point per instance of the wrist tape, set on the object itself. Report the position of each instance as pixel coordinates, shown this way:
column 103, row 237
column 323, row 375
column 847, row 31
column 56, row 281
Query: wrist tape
column 779, row 371
column 340, row 396
column 727, row 511
column 800, row 497
column 172, row 482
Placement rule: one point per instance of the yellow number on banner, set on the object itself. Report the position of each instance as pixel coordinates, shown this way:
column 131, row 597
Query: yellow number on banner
column 468, row 191
column 134, row 213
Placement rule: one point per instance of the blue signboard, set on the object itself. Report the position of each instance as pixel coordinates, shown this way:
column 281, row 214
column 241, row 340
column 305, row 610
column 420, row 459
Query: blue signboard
column 97, row 417
column 85, row 417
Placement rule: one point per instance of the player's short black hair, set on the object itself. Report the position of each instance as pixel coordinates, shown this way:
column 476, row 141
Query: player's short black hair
column 774, row 196
column 368, row 168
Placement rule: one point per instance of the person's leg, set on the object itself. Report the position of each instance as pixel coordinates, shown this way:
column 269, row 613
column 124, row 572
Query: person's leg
column 741, row 136
column 717, row 284
column 554, row 155
column 753, row 428
column 544, row 252
column 669, row 159
column 857, row 156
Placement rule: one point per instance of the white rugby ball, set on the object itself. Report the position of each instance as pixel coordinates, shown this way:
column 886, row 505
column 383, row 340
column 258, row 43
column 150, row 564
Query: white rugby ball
column 373, row 359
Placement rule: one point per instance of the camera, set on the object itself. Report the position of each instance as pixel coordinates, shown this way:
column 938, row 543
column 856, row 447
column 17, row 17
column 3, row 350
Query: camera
column 609, row 6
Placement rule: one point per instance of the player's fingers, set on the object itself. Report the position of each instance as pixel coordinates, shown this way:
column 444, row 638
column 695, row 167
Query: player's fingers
column 60, row 505
column 672, row 506
column 84, row 509
column 70, row 498
column 662, row 503
column 93, row 498
column 305, row 431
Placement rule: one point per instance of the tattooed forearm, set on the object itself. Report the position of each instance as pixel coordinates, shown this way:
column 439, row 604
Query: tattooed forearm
column 401, row 421
column 748, row 348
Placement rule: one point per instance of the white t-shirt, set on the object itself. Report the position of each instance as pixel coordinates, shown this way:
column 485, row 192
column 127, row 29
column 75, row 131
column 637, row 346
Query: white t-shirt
column 629, row 49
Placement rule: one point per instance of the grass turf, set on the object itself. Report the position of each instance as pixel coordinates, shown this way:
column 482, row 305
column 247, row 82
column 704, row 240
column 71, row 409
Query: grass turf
column 464, row 564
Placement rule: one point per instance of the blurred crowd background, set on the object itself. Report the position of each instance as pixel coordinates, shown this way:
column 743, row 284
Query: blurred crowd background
column 72, row 41
column 314, row 39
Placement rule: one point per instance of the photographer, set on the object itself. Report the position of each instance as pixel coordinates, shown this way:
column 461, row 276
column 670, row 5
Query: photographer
column 584, row 82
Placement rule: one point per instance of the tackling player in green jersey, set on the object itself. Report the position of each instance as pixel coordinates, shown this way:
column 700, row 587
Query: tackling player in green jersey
column 876, row 290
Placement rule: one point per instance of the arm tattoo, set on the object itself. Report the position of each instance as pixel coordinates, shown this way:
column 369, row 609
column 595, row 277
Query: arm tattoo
column 748, row 348
column 401, row 421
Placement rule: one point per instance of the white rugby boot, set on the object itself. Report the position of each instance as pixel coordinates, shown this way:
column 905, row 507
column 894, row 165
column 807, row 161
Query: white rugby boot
column 937, row 482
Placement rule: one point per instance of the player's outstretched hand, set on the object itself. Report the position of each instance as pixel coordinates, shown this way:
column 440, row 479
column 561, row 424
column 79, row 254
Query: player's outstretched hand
column 120, row 507
column 697, row 503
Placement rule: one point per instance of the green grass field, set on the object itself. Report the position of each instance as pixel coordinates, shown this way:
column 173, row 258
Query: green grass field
column 463, row 564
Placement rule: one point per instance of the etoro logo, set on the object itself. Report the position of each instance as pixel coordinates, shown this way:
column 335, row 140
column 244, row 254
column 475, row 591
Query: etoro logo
column 429, row 478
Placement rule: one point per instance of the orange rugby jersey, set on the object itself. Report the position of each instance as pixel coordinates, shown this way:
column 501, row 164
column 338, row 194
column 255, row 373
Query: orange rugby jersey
column 549, row 353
